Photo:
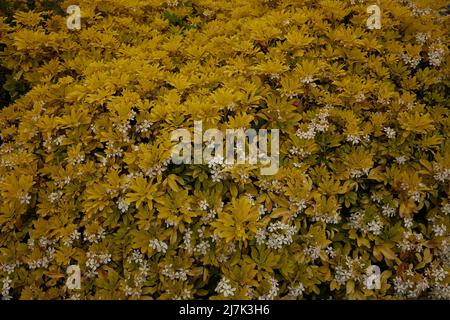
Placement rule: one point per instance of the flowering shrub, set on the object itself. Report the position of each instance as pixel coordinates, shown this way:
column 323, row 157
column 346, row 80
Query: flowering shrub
column 85, row 171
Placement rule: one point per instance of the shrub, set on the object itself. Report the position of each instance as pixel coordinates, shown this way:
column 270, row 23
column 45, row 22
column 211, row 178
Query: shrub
column 364, row 156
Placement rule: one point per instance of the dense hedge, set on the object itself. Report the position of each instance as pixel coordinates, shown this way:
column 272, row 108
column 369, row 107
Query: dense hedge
column 85, row 132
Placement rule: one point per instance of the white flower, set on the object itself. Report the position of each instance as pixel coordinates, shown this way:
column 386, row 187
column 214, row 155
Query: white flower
column 299, row 206
column 360, row 97
column 75, row 235
column 210, row 216
column 224, row 288
column 136, row 257
column 440, row 291
column 94, row 261
column 123, row 205
column 156, row 170
column 75, row 296
column 348, row 270
column 172, row 3
column 78, row 159
column 293, row 150
column 422, row 37
column 251, row 199
column 95, row 237
column 202, row 247
column 407, row 59
column 388, row 211
column 318, row 124
column 5, row 289
column 408, row 222
column 376, row 198
column 203, row 205
column 439, row 230
column 261, row 211
column 415, row 196
column 44, row 242
column 307, row 80
column 231, row 106
column 353, row 139
column 401, row 159
column 144, row 126
column 260, row 236
column 411, row 242
column 187, row 238
column 274, row 76
column 178, row 274
column 55, row 196
column 436, row 55
column 375, row 226
column 437, row 273
column 277, row 235
column 308, row 135
column 441, row 174
column 390, row 133
column 158, row 245
column 312, row 252
column 446, row 209
column 296, row 290
column 24, row 198
column 273, row 291
column 358, row 222
column 358, row 173
column 186, row 294
column 342, row 275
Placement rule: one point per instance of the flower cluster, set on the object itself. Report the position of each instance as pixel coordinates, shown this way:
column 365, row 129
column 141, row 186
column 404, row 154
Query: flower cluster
column 276, row 235
column 87, row 116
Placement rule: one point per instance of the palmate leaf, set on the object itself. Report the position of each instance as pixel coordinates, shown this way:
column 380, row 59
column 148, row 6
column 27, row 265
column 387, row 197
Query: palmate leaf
column 143, row 191
column 415, row 122
column 238, row 223
column 85, row 170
